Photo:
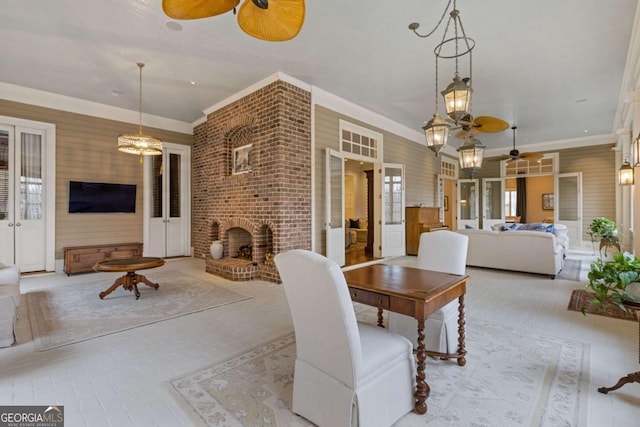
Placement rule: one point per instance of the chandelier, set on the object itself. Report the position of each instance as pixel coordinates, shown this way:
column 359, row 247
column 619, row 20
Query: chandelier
column 457, row 96
column 139, row 143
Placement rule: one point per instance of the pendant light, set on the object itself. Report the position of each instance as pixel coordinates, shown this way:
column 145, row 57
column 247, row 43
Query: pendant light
column 139, row 143
column 470, row 155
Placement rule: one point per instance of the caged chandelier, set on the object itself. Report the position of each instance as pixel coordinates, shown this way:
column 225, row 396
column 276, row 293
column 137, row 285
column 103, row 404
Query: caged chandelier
column 457, row 96
column 139, row 143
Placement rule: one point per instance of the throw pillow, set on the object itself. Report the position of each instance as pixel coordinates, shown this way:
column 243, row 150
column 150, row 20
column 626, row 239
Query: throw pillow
column 509, row 227
column 354, row 223
column 469, row 227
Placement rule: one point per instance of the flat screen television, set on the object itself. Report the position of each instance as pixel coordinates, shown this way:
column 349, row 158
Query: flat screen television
column 98, row 197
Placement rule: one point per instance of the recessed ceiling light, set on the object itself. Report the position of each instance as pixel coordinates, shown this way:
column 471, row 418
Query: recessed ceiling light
column 578, row 101
column 173, row 26
column 116, row 92
column 192, row 83
column 586, row 131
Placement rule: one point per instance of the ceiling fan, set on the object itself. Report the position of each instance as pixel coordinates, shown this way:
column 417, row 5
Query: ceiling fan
column 472, row 126
column 517, row 155
column 270, row 20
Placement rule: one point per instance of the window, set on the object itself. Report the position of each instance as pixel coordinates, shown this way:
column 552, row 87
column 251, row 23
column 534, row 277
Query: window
column 510, row 197
column 364, row 143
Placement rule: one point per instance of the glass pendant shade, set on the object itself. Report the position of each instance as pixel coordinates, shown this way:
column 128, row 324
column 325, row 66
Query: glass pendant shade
column 139, row 143
column 436, row 132
column 625, row 174
column 470, row 155
column 457, row 98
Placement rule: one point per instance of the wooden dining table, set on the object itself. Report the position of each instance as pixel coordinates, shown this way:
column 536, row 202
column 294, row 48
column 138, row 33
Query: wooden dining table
column 417, row 293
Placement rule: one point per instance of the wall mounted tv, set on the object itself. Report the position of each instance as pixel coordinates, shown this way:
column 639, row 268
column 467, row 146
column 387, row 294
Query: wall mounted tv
column 97, row 197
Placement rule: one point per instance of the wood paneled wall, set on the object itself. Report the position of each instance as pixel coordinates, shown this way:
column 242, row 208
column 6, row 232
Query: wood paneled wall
column 86, row 151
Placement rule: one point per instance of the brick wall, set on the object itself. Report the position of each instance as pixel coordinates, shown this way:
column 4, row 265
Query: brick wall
column 273, row 201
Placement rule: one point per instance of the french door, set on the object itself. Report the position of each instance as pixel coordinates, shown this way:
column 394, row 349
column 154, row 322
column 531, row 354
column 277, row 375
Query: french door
column 26, row 193
column 468, row 203
column 393, row 227
column 334, row 215
column 492, row 202
column 167, row 202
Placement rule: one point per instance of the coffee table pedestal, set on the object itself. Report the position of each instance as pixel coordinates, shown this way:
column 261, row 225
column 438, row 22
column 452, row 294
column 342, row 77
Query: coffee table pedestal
column 130, row 280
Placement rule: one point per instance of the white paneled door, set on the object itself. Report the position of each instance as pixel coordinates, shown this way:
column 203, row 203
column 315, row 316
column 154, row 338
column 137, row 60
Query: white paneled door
column 568, row 206
column 167, row 202
column 24, row 192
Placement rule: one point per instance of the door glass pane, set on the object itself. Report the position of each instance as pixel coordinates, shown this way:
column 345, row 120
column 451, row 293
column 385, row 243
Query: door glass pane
column 493, row 199
column 4, row 175
column 156, row 186
column 335, row 165
column 30, row 177
column 567, row 200
column 392, row 195
column 467, row 200
column 174, row 185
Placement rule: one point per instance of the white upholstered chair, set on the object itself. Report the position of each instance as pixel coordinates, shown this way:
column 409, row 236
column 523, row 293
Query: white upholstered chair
column 444, row 251
column 9, row 302
column 346, row 373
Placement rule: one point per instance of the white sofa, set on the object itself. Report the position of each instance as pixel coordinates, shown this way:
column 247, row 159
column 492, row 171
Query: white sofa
column 9, row 302
column 527, row 251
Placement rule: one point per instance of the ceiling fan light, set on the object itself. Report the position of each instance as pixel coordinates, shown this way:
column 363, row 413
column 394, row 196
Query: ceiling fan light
column 457, row 98
column 282, row 20
column 436, row 132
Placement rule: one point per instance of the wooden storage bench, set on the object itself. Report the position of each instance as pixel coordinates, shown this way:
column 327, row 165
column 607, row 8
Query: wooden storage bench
column 81, row 259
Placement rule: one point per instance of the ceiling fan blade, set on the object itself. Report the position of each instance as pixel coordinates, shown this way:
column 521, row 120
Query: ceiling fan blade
column 281, row 20
column 490, row 124
column 196, row 9
column 532, row 156
column 463, row 134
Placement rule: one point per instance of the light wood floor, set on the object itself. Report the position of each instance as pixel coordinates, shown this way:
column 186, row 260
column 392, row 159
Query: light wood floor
column 121, row 379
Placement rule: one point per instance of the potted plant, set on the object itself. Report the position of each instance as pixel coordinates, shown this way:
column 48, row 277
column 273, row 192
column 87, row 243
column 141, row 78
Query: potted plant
column 605, row 231
column 615, row 281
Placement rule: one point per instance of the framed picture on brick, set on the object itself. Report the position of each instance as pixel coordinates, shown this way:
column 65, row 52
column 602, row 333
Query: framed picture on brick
column 242, row 159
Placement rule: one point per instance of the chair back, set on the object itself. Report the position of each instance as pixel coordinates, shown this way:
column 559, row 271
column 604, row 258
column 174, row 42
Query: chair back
column 324, row 321
column 444, row 251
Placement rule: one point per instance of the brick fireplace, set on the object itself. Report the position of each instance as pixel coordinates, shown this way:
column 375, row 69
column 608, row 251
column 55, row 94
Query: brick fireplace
column 251, row 180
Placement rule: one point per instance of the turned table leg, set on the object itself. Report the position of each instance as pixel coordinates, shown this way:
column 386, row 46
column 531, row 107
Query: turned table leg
column 422, row 388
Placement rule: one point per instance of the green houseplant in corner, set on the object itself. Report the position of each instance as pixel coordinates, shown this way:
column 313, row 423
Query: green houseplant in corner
column 605, row 231
column 615, row 281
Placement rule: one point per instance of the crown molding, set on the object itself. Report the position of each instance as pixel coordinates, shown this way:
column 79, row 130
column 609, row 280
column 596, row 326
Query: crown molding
column 55, row 101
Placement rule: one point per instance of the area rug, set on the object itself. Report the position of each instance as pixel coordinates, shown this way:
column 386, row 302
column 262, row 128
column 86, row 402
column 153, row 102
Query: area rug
column 570, row 270
column 581, row 298
column 74, row 313
column 510, row 378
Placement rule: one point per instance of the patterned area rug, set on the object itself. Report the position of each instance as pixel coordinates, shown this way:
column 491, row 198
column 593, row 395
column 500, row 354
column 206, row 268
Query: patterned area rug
column 74, row 313
column 581, row 298
column 510, row 379
column 570, row 270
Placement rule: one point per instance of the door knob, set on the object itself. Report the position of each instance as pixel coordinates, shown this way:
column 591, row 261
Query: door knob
column 18, row 224
column 10, row 224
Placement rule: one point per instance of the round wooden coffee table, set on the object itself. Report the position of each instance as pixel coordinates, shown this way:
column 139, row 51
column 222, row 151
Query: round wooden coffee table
column 130, row 280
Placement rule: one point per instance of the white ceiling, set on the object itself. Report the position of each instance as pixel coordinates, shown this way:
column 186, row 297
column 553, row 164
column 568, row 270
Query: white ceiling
column 554, row 68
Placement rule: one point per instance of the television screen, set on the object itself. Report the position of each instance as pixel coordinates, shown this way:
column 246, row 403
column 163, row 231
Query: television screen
column 96, row 197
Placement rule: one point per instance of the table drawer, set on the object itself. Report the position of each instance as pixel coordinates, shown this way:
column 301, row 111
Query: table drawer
column 369, row 298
